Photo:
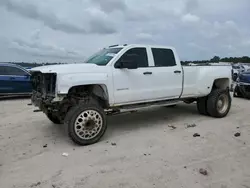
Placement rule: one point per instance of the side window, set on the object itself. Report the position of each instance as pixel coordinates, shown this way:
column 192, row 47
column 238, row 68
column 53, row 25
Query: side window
column 138, row 55
column 163, row 57
column 14, row 71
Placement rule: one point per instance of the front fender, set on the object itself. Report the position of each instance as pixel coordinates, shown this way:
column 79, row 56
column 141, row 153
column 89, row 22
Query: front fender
column 66, row 81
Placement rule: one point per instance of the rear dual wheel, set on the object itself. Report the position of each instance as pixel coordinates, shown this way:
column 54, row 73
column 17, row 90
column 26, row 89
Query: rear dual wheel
column 216, row 104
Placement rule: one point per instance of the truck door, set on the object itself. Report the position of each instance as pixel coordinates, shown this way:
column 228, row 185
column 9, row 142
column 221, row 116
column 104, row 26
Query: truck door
column 133, row 85
column 167, row 74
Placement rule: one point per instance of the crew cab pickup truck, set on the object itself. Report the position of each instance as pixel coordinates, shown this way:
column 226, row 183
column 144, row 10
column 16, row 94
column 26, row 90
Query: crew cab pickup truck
column 123, row 78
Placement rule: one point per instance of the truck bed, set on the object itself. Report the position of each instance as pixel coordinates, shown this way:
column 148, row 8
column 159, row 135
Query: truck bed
column 196, row 79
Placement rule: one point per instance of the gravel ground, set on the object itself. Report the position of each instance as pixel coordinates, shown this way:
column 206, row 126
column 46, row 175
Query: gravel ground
column 152, row 148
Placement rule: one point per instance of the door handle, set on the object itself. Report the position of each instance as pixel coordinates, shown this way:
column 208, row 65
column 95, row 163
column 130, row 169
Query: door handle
column 177, row 72
column 147, row 73
column 12, row 78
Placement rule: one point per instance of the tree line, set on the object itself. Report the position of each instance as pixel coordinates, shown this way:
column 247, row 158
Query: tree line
column 217, row 59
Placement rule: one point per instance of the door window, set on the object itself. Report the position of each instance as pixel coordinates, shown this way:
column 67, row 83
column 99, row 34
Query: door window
column 163, row 57
column 137, row 55
column 14, row 71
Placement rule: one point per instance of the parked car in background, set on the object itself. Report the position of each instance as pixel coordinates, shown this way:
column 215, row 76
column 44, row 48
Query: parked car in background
column 14, row 80
column 236, row 69
column 242, row 88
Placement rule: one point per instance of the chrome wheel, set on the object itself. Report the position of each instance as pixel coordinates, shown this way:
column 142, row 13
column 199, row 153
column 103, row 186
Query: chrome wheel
column 222, row 103
column 88, row 124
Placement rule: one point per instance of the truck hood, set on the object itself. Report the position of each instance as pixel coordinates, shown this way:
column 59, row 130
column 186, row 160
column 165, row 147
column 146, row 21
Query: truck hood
column 70, row 68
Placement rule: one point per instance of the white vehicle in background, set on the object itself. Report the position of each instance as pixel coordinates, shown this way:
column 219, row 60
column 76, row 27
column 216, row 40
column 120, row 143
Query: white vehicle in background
column 123, row 78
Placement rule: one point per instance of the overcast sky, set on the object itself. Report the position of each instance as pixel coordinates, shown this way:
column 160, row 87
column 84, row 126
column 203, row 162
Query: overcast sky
column 70, row 30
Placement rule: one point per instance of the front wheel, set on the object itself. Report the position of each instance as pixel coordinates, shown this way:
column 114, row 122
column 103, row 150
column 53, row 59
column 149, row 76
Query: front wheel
column 86, row 123
column 219, row 103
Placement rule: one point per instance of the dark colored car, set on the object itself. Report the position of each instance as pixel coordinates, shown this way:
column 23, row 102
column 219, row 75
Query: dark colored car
column 242, row 88
column 14, row 80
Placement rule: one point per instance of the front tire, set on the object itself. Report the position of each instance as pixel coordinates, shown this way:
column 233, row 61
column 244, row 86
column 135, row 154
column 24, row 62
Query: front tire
column 86, row 123
column 219, row 103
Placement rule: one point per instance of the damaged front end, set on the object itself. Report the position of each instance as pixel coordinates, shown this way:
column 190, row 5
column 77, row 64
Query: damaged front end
column 44, row 89
column 45, row 97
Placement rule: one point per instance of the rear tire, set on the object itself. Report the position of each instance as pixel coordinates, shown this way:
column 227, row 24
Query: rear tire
column 219, row 103
column 202, row 105
column 86, row 123
column 54, row 118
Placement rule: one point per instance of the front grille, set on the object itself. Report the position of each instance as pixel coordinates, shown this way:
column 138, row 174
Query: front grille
column 44, row 83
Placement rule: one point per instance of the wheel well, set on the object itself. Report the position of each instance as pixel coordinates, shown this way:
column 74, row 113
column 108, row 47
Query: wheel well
column 221, row 83
column 99, row 92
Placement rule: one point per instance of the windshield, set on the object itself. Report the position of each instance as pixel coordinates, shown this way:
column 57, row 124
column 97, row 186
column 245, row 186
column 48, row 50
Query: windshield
column 104, row 56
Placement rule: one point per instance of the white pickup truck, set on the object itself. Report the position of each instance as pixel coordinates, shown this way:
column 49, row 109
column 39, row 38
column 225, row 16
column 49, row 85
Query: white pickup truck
column 124, row 78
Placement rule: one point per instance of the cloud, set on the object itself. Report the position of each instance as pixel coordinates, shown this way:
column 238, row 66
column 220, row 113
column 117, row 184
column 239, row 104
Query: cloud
column 144, row 36
column 30, row 10
column 191, row 5
column 198, row 29
column 111, row 5
column 190, row 18
column 35, row 47
column 41, row 49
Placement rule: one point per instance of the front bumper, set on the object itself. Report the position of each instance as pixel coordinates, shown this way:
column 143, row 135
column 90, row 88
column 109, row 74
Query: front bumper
column 44, row 104
column 44, row 89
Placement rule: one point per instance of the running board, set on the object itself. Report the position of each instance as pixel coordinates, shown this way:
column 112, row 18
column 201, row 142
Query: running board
column 151, row 104
column 137, row 107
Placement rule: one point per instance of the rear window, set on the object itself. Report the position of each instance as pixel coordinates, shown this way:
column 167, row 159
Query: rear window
column 163, row 57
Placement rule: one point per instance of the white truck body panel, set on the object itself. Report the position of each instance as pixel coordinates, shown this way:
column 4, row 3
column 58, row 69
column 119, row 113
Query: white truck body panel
column 130, row 86
column 198, row 80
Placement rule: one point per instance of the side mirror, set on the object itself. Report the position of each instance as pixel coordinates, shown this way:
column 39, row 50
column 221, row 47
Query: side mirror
column 128, row 65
